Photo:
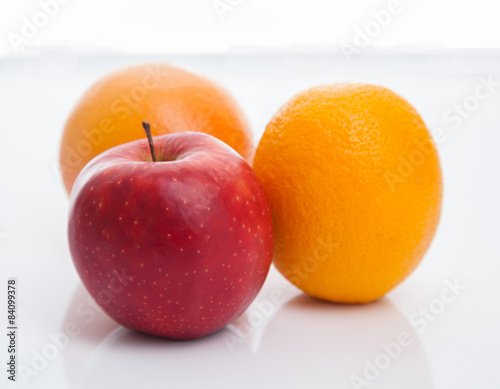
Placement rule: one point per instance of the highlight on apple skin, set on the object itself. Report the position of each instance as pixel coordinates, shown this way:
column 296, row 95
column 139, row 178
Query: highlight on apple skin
column 176, row 248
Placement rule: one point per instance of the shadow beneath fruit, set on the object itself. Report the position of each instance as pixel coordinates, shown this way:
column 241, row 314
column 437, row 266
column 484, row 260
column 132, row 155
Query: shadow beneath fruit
column 337, row 346
column 86, row 325
column 129, row 359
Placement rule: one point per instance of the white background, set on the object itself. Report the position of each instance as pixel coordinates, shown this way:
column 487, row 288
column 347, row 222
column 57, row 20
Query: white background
column 177, row 26
column 435, row 55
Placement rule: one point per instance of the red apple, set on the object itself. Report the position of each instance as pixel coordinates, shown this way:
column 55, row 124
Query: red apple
column 176, row 248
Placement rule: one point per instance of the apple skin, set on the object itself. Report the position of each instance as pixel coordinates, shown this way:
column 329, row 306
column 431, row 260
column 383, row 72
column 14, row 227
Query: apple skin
column 176, row 248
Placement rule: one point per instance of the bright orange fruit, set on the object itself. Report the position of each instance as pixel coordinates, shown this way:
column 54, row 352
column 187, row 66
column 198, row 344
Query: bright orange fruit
column 355, row 186
column 171, row 99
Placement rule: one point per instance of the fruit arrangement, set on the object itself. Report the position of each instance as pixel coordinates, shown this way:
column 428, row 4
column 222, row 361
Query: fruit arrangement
column 174, row 235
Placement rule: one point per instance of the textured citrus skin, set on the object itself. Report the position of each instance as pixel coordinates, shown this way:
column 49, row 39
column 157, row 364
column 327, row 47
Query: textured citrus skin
column 351, row 218
column 171, row 99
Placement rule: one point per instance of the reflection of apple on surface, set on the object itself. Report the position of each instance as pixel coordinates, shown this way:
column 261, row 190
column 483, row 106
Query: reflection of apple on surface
column 177, row 247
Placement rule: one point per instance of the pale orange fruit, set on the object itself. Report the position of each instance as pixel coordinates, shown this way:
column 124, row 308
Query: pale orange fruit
column 171, row 99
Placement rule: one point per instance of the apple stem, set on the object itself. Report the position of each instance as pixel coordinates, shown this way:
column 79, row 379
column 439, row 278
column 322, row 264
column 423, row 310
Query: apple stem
column 147, row 129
